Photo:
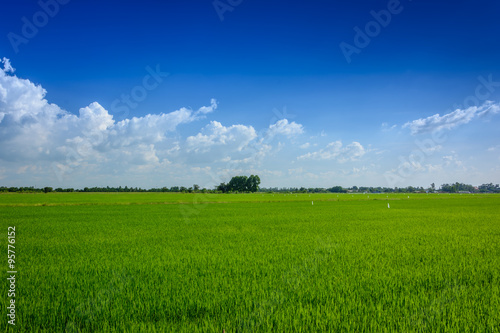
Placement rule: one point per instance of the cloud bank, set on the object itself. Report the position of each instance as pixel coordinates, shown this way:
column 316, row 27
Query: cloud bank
column 39, row 138
column 452, row 119
column 32, row 129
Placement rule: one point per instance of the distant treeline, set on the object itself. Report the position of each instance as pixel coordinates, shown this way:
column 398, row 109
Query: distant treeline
column 242, row 184
column 445, row 188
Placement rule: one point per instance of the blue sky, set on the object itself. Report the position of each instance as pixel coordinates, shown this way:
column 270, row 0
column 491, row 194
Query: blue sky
column 317, row 93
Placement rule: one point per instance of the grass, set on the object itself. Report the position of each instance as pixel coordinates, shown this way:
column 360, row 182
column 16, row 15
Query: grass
column 259, row 263
column 116, row 198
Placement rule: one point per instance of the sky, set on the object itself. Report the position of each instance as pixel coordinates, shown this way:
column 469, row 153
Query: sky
column 314, row 94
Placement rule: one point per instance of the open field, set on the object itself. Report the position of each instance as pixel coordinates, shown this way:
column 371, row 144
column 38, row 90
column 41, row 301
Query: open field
column 123, row 198
column 254, row 262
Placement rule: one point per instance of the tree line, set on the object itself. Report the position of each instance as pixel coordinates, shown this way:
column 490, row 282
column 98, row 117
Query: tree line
column 243, row 184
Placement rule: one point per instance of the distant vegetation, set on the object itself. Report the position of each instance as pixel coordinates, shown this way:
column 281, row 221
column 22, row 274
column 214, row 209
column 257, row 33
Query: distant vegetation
column 244, row 184
column 240, row 184
column 445, row 188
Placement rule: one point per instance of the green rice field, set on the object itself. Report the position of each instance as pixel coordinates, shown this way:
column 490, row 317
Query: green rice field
column 172, row 262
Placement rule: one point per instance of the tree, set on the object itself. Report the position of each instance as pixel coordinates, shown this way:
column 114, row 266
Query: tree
column 253, row 183
column 238, row 184
column 241, row 184
column 47, row 189
column 336, row 189
column 222, row 187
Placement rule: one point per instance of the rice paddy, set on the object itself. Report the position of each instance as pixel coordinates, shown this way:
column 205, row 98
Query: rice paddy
column 170, row 262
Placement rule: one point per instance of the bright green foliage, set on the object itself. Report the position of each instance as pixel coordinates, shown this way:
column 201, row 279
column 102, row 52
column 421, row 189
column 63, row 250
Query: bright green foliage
column 254, row 262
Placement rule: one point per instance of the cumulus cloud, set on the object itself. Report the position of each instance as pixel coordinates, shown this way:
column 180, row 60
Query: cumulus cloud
column 237, row 144
column 43, row 141
column 337, row 151
column 151, row 128
column 32, row 130
column 234, row 137
column 284, row 127
column 208, row 109
column 452, row 119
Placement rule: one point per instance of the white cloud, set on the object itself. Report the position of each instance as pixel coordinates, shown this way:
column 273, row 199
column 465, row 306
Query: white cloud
column 214, row 135
column 39, row 139
column 208, row 109
column 490, row 108
column 285, row 128
column 7, row 67
column 89, row 147
column 337, row 151
column 452, row 160
column 452, row 119
column 34, row 131
column 448, row 163
column 237, row 144
column 256, row 154
column 151, row 128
